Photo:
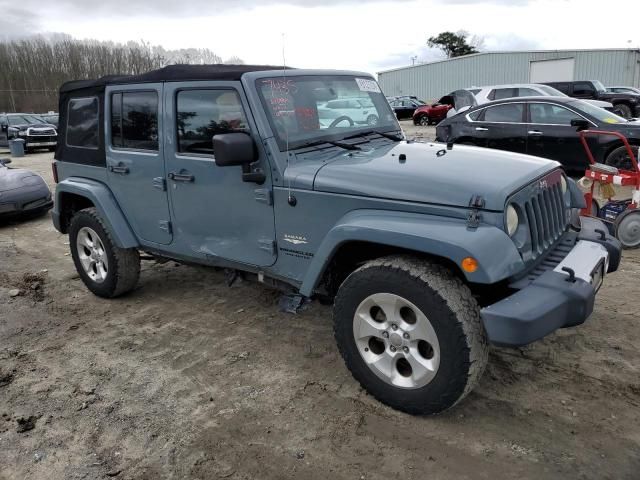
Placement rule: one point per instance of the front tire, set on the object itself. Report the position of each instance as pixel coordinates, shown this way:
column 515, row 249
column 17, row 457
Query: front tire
column 106, row 269
column 410, row 332
column 624, row 110
column 424, row 121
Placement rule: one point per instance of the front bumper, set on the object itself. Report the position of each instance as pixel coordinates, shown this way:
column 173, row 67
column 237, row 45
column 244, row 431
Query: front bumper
column 558, row 298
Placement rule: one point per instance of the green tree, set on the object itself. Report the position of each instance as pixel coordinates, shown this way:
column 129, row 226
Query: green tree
column 453, row 44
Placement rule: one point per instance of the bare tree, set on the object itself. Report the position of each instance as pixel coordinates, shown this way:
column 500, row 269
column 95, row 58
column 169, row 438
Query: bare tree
column 33, row 69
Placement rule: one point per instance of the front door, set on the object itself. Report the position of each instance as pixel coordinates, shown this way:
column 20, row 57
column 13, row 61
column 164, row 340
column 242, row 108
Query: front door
column 135, row 163
column 4, row 128
column 550, row 135
column 501, row 127
column 216, row 215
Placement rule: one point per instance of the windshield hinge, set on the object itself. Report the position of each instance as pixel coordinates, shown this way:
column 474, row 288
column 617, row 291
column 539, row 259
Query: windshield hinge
column 263, row 195
column 165, row 225
column 474, row 217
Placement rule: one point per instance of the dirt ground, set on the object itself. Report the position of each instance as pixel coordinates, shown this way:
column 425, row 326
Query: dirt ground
column 188, row 378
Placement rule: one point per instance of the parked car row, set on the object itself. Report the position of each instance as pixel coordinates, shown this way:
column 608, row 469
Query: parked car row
column 546, row 127
column 33, row 129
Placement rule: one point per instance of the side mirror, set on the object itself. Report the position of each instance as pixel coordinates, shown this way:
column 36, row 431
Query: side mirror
column 5, row 161
column 231, row 149
column 4, row 128
column 580, row 124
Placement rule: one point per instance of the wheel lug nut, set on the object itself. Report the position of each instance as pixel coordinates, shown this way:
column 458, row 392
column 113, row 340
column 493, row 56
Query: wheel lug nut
column 405, row 336
column 385, row 334
column 392, row 348
column 405, row 349
column 394, row 326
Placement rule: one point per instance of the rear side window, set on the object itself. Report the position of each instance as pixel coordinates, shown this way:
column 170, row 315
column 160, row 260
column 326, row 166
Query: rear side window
column 583, row 88
column 507, row 113
column 134, row 120
column 201, row 114
column 563, row 87
column 501, row 93
column 82, row 123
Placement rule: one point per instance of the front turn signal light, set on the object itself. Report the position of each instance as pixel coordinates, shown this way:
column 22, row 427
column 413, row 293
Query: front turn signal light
column 469, row 264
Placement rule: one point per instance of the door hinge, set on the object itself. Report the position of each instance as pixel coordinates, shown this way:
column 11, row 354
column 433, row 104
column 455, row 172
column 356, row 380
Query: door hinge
column 263, row 195
column 160, row 183
column 165, row 225
column 474, row 217
column 268, row 246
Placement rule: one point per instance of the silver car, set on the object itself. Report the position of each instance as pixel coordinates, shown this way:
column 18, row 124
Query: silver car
column 500, row 92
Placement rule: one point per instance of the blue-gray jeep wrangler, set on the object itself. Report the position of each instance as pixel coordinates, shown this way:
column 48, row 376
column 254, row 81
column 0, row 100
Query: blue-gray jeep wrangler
column 429, row 252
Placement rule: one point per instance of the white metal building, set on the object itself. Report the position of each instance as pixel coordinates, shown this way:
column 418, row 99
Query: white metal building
column 429, row 81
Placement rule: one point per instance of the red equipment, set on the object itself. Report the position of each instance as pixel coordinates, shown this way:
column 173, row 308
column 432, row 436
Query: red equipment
column 627, row 223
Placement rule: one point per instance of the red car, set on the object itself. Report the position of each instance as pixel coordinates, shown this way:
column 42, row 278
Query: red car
column 432, row 114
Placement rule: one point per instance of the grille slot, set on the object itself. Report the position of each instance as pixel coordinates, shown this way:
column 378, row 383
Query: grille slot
column 546, row 217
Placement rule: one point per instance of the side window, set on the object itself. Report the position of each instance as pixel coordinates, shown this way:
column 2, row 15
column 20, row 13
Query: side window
column 583, row 89
column 134, row 120
column 201, row 114
column 563, row 87
column 507, row 113
column 82, row 123
column 547, row 113
column 501, row 93
column 475, row 116
column 527, row 92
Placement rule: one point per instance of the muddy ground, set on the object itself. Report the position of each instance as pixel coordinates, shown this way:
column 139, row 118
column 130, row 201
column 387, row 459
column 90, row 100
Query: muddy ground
column 188, row 378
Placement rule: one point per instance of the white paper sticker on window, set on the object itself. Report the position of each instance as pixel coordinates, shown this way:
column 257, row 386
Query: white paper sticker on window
column 368, row 85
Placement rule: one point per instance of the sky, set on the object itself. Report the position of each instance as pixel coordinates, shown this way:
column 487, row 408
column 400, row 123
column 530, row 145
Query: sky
column 368, row 35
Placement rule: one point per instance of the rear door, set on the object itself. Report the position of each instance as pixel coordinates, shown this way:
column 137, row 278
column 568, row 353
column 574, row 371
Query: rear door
column 216, row 214
column 550, row 135
column 501, row 126
column 135, row 163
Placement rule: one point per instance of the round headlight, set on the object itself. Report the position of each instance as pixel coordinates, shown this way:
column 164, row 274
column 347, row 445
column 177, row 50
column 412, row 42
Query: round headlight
column 563, row 184
column 512, row 220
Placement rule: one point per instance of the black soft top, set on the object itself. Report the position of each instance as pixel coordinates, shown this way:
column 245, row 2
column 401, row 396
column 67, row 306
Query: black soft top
column 171, row 73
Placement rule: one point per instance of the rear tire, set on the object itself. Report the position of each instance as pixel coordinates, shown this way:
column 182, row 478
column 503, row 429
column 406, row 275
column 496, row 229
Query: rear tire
column 422, row 361
column 106, row 269
column 619, row 158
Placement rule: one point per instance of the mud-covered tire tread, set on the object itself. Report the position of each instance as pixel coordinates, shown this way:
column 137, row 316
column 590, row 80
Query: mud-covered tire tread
column 126, row 260
column 451, row 300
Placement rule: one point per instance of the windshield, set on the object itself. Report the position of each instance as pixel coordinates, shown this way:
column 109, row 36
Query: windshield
column 598, row 113
column 304, row 109
column 599, row 86
column 551, row 91
column 24, row 120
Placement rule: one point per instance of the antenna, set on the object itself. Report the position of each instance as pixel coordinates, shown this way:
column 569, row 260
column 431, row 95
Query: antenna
column 290, row 198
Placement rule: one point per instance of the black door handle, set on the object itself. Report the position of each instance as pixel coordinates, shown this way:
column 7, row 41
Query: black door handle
column 119, row 169
column 181, row 177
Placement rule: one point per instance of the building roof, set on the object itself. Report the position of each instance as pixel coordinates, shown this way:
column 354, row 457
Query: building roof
column 170, row 73
column 511, row 52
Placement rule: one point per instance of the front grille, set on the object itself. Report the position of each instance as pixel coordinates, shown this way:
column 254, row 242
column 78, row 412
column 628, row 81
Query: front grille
column 545, row 212
column 547, row 218
column 37, row 132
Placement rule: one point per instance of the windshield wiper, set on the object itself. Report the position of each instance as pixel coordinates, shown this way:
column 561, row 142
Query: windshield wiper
column 390, row 136
column 346, row 146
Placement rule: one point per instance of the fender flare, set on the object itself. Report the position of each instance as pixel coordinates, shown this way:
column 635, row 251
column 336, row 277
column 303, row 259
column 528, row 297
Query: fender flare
column 444, row 237
column 104, row 201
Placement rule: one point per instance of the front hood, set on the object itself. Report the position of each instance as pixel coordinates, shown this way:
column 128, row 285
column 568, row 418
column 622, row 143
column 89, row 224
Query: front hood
column 612, row 95
column 431, row 174
column 599, row 103
column 26, row 126
column 13, row 178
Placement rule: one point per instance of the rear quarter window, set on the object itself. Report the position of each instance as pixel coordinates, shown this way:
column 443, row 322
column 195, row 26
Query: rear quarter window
column 82, row 123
